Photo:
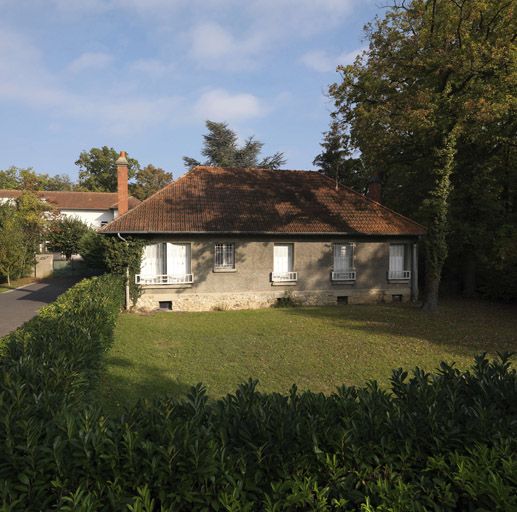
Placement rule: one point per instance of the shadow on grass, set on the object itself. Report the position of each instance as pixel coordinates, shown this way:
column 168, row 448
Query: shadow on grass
column 462, row 327
column 127, row 382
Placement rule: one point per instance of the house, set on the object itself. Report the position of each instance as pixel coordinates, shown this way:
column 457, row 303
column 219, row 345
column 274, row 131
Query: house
column 245, row 238
column 94, row 208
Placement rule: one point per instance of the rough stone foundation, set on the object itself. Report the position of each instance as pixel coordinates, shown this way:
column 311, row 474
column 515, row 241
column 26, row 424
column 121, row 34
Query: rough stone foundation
column 226, row 301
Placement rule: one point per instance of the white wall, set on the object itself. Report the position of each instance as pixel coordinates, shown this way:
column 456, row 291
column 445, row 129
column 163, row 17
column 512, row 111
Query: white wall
column 93, row 218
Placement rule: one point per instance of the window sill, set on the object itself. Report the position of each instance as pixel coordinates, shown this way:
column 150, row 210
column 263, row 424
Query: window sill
column 166, row 286
column 224, row 270
column 284, row 283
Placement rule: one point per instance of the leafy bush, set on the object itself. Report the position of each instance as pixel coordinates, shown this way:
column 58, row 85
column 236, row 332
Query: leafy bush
column 442, row 441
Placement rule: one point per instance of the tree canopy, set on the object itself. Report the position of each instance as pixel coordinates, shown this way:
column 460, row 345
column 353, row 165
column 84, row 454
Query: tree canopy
column 29, row 179
column 438, row 79
column 221, row 148
column 22, row 228
column 98, row 171
column 149, row 180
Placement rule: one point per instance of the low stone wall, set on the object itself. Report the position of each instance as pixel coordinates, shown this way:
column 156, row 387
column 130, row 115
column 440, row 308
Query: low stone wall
column 151, row 298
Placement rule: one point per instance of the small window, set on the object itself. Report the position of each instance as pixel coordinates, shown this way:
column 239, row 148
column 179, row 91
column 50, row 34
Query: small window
column 396, row 298
column 342, row 299
column 165, row 305
column 224, row 256
column 104, row 222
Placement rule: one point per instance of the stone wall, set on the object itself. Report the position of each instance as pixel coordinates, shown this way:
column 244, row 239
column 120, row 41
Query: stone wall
column 252, row 300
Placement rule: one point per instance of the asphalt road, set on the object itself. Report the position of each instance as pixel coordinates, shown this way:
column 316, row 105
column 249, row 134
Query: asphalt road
column 18, row 306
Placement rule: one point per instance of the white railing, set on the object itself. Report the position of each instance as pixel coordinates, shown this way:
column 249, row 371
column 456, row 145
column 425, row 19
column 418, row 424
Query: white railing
column 164, row 279
column 343, row 276
column 284, row 277
column 399, row 274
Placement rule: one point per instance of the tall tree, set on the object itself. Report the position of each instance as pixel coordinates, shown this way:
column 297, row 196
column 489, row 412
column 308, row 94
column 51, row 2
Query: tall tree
column 65, row 234
column 98, row 171
column 28, row 179
column 22, row 228
column 434, row 70
column 220, row 147
column 336, row 162
column 149, row 180
column 12, row 244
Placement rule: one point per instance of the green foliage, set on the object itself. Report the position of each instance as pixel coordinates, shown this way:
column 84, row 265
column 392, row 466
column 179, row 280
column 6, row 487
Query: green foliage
column 149, row 180
column 438, row 78
column 12, row 244
column 120, row 255
column 28, row 179
column 221, row 149
column 92, row 249
column 22, row 229
column 335, row 160
column 286, row 301
column 65, row 234
column 98, row 171
column 442, row 441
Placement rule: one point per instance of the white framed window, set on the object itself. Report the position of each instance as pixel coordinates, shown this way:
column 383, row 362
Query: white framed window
column 343, row 266
column 283, row 263
column 398, row 264
column 165, row 263
column 224, row 256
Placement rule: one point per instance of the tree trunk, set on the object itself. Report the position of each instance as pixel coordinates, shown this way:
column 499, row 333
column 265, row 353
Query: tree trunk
column 469, row 275
column 432, row 286
column 436, row 208
column 8, row 280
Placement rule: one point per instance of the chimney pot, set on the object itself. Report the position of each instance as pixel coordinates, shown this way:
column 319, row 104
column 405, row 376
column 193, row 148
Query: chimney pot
column 122, row 186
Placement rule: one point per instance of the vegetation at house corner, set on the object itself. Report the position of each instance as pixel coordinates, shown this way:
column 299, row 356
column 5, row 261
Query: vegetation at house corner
column 221, row 149
column 316, row 348
column 430, row 106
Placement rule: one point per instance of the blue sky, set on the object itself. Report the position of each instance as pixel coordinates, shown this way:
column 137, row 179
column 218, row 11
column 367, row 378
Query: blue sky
column 143, row 75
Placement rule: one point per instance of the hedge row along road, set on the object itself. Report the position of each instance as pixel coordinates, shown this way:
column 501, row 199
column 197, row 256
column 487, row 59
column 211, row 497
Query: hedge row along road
column 441, row 441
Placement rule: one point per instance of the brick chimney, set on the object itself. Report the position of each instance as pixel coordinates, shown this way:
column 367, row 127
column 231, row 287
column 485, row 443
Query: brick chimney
column 374, row 189
column 122, row 177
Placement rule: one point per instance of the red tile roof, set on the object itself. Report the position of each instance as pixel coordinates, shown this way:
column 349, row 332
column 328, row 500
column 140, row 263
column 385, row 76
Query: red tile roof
column 64, row 200
column 229, row 200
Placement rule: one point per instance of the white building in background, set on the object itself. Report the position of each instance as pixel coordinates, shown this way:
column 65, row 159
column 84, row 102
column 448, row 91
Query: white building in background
column 94, row 208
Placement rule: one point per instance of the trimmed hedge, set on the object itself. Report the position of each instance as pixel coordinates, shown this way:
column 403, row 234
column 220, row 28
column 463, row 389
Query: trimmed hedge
column 441, row 441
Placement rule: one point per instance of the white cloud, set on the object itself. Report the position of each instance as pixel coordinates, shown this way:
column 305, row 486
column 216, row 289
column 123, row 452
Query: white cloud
column 25, row 79
column 214, row 47
column 90, row 60
column 220, row 105
column 323, row 62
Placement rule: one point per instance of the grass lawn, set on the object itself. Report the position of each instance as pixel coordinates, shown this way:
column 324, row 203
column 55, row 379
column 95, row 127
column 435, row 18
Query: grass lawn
column 15, row 283
column 318, row 348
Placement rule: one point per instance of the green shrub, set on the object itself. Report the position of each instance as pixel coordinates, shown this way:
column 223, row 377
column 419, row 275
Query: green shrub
column 441, row 441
